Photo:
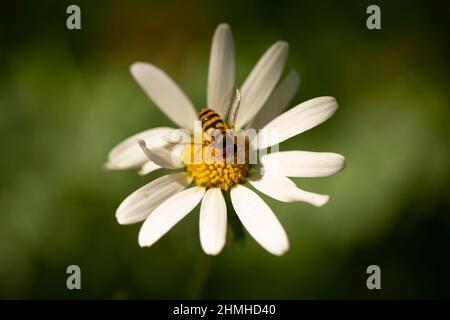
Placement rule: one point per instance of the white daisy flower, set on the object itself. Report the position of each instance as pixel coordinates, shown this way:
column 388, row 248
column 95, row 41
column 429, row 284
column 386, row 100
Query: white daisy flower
column 163, row 202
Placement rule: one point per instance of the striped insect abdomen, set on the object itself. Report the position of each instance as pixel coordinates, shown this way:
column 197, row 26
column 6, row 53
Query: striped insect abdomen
column 211, row 120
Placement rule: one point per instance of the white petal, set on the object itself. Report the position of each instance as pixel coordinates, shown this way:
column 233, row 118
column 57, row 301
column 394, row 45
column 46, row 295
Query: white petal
column 178, row 136
column 221, row 69
column 128, row 154
column 165, row 93
column 259, row 220
column 138, row 205
column 148, row 167
column 260, row 82
column 168, row 214
column 284, row 189
column 278, row 100
column 302, row 163
column 213, row 221
column 303, row 117
column 169, row 158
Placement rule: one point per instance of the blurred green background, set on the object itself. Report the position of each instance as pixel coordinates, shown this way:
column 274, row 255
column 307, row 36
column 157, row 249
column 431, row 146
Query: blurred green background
column 67, row 98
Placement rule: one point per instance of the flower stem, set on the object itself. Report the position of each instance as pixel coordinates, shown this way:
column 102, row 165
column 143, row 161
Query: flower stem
column 197, row 283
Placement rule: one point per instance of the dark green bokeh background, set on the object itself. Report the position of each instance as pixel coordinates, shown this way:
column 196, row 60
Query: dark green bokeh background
column 67, row 98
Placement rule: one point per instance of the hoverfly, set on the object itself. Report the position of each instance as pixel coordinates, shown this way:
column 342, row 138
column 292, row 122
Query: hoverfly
column 218, row 133
column 217, row 136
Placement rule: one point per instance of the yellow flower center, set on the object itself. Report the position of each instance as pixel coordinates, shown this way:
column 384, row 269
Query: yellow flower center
column 217, row 175
column 210, row 171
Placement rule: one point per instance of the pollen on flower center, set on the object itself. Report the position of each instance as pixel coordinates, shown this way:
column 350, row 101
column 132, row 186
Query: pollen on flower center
column 213, row 167
column 218, row 175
